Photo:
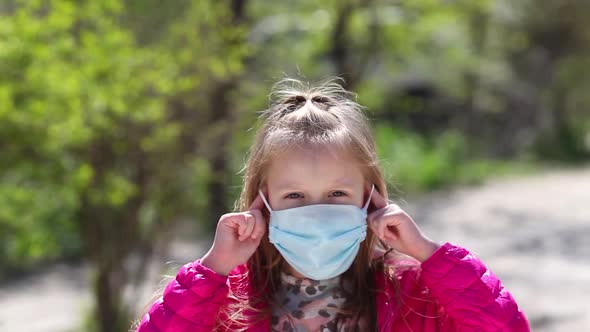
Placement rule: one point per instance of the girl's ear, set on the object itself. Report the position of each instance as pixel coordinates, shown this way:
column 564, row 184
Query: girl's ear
column 367, row 196
column 367, row 189
column 264, row 189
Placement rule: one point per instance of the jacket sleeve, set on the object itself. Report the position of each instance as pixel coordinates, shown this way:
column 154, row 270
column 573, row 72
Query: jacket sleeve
column 471, row 295
column 190, row 302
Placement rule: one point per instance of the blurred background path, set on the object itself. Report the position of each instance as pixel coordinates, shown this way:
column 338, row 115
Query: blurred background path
column 532, row 231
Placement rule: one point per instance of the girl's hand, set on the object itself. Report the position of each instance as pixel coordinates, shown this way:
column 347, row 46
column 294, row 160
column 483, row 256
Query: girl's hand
column 398, row 230
column 236, row 239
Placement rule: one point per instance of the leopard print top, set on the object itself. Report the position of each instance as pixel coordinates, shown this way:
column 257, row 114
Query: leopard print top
column 311, row 305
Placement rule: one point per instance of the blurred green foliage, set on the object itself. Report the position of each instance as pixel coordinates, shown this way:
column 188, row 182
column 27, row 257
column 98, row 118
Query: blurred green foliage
column 414, row 163
column 120, row 117
column 69, row 79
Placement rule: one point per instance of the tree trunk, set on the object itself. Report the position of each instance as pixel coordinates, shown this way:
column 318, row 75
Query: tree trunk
column 222, row 122
column 108, row 290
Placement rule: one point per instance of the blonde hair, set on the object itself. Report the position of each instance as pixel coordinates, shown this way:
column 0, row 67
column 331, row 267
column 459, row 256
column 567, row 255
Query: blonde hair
column 299, row 113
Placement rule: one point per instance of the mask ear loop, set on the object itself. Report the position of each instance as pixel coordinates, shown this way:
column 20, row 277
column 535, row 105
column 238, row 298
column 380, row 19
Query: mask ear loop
column 369, row 199
column 264, row 200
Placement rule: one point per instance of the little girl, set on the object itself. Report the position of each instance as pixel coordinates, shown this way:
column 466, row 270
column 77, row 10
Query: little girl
column 318, row 247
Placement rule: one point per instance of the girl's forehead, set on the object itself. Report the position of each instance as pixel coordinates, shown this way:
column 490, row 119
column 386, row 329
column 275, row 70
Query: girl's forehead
column 297, row 166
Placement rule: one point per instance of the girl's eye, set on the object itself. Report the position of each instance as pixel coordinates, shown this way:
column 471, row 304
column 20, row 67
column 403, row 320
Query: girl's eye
column 293, row 195
column 338, row 193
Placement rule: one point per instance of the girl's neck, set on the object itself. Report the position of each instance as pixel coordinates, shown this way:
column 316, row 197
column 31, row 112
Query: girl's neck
column 291, row 271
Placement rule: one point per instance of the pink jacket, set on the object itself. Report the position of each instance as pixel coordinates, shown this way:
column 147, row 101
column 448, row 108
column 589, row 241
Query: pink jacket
column 451, row 291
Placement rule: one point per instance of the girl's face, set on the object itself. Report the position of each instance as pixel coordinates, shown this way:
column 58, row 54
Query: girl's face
column 299, row 177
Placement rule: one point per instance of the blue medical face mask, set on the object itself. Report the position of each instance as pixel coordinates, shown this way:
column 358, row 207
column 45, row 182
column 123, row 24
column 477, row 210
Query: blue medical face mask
column 319, row 241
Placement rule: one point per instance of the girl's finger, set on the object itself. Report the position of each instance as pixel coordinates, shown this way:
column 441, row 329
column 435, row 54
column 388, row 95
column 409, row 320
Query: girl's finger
column 249, row 221
column 232, row 220
column 242, row 221
column 391, row 222
column 377, row 214
column 259, row 224
column 377, row 227
column 391, row 232
column 385, row 225
column 378, row 201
